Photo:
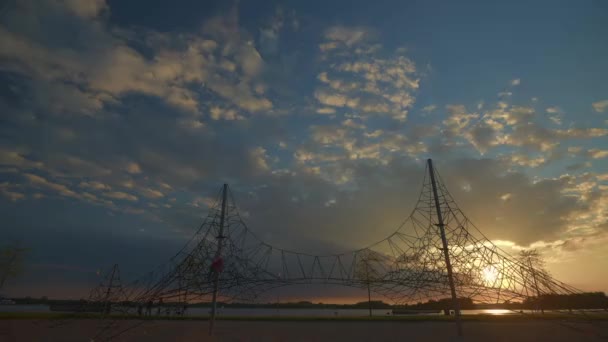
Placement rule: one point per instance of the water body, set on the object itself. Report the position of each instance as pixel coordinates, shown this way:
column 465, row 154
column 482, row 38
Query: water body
column 268, row 312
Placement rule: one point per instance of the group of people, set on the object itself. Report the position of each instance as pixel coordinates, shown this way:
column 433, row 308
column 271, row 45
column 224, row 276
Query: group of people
column 150, row 304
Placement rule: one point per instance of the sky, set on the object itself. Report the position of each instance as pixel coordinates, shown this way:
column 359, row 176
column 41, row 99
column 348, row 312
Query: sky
column 120, row 120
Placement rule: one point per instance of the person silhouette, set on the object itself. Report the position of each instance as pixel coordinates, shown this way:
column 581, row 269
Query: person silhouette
column 160, row 304
column 149, row 308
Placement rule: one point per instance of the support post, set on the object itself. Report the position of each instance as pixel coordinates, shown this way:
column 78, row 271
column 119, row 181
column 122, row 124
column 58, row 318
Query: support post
column 218, row 254
column 369, row 299
column 107, row 306
column 446, row 254
column 369, row 292
column 538, row 299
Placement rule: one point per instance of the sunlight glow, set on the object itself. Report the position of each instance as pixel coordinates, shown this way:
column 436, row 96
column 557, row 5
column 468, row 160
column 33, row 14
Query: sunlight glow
column 490, row 275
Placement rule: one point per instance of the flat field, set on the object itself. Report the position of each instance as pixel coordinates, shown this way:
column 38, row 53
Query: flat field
column 494, row 330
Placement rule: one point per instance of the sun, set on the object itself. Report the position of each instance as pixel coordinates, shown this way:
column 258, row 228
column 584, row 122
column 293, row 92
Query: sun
column 490, row 275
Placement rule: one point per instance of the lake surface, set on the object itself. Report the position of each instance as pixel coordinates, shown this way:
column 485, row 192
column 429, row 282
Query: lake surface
column 254, row 312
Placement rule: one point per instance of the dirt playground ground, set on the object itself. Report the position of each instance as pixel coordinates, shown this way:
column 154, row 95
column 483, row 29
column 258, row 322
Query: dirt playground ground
column 153, row 331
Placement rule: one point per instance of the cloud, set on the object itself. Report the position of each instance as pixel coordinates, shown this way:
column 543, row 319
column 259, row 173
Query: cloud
column 458, row 120
column 369, row 84
column 94, row 185
column 87, row 80
column 63, row 165
column 326, row 110
column 133, row 168
column 507, row 125
column 324, row 47
column 526, row 160
column 15, row 158
column 515, row 82
column 335, row 100
column 218, row 113
column 260, row 159
column 43, row 183
column 600, row 106
column 429, row 108
column 151, row 193
column 250, row 61
column 86, row 9
column 120, row 196
column 12, row 195
column 597, row 153
column 349, row 35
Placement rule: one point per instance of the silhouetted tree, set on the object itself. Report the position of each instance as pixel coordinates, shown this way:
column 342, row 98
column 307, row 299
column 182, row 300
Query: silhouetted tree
column 11, row 262
column 366, row 271
column 535, row 264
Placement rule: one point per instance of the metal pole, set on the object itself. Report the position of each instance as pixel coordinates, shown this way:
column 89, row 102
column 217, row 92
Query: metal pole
column 369, row 299
column 106, row 307
column 218, row 253
column 535, row 285
column 369, row 293
column 446, row 254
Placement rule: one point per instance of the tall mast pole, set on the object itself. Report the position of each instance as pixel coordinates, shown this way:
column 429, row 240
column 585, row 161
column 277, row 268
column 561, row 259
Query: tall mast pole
column 107, row 307
column 218, row 254
column 535, row 285
column 446, row 253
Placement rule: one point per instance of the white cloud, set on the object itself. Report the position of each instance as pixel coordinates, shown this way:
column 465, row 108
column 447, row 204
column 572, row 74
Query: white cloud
column 556, row 119
column 335, row 99
column 191, row 124
column 348, row 35
column 326, row 110
column 15, row 158
column 600, row 106
column 120, row 196
column 597, row 153
column 582, row 133
column 151, row 193
column 377, row 86
column 133, row 168
column 85, row 80
column 250, row 60
column 199, row 202
column 328, row 46
column 526, row 160
column 218, row 113
column 374, row 134
column 429, row 108
column 352, row 124
column 41, row 182
column 323, row 77
column 260, row 158
column 13, row 196
column 459, row 119
column 511, row 126
column 94, row 185
column 85, row 9
column 515, row 82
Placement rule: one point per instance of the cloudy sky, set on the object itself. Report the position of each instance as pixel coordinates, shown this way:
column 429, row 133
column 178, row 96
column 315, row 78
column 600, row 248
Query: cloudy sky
column 120, row 119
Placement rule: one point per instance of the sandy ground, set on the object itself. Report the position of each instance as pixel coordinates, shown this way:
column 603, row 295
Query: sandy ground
column 85, row 330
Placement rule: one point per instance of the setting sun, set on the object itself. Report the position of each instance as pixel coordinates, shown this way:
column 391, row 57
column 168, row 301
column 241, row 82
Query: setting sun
column 490, row 275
